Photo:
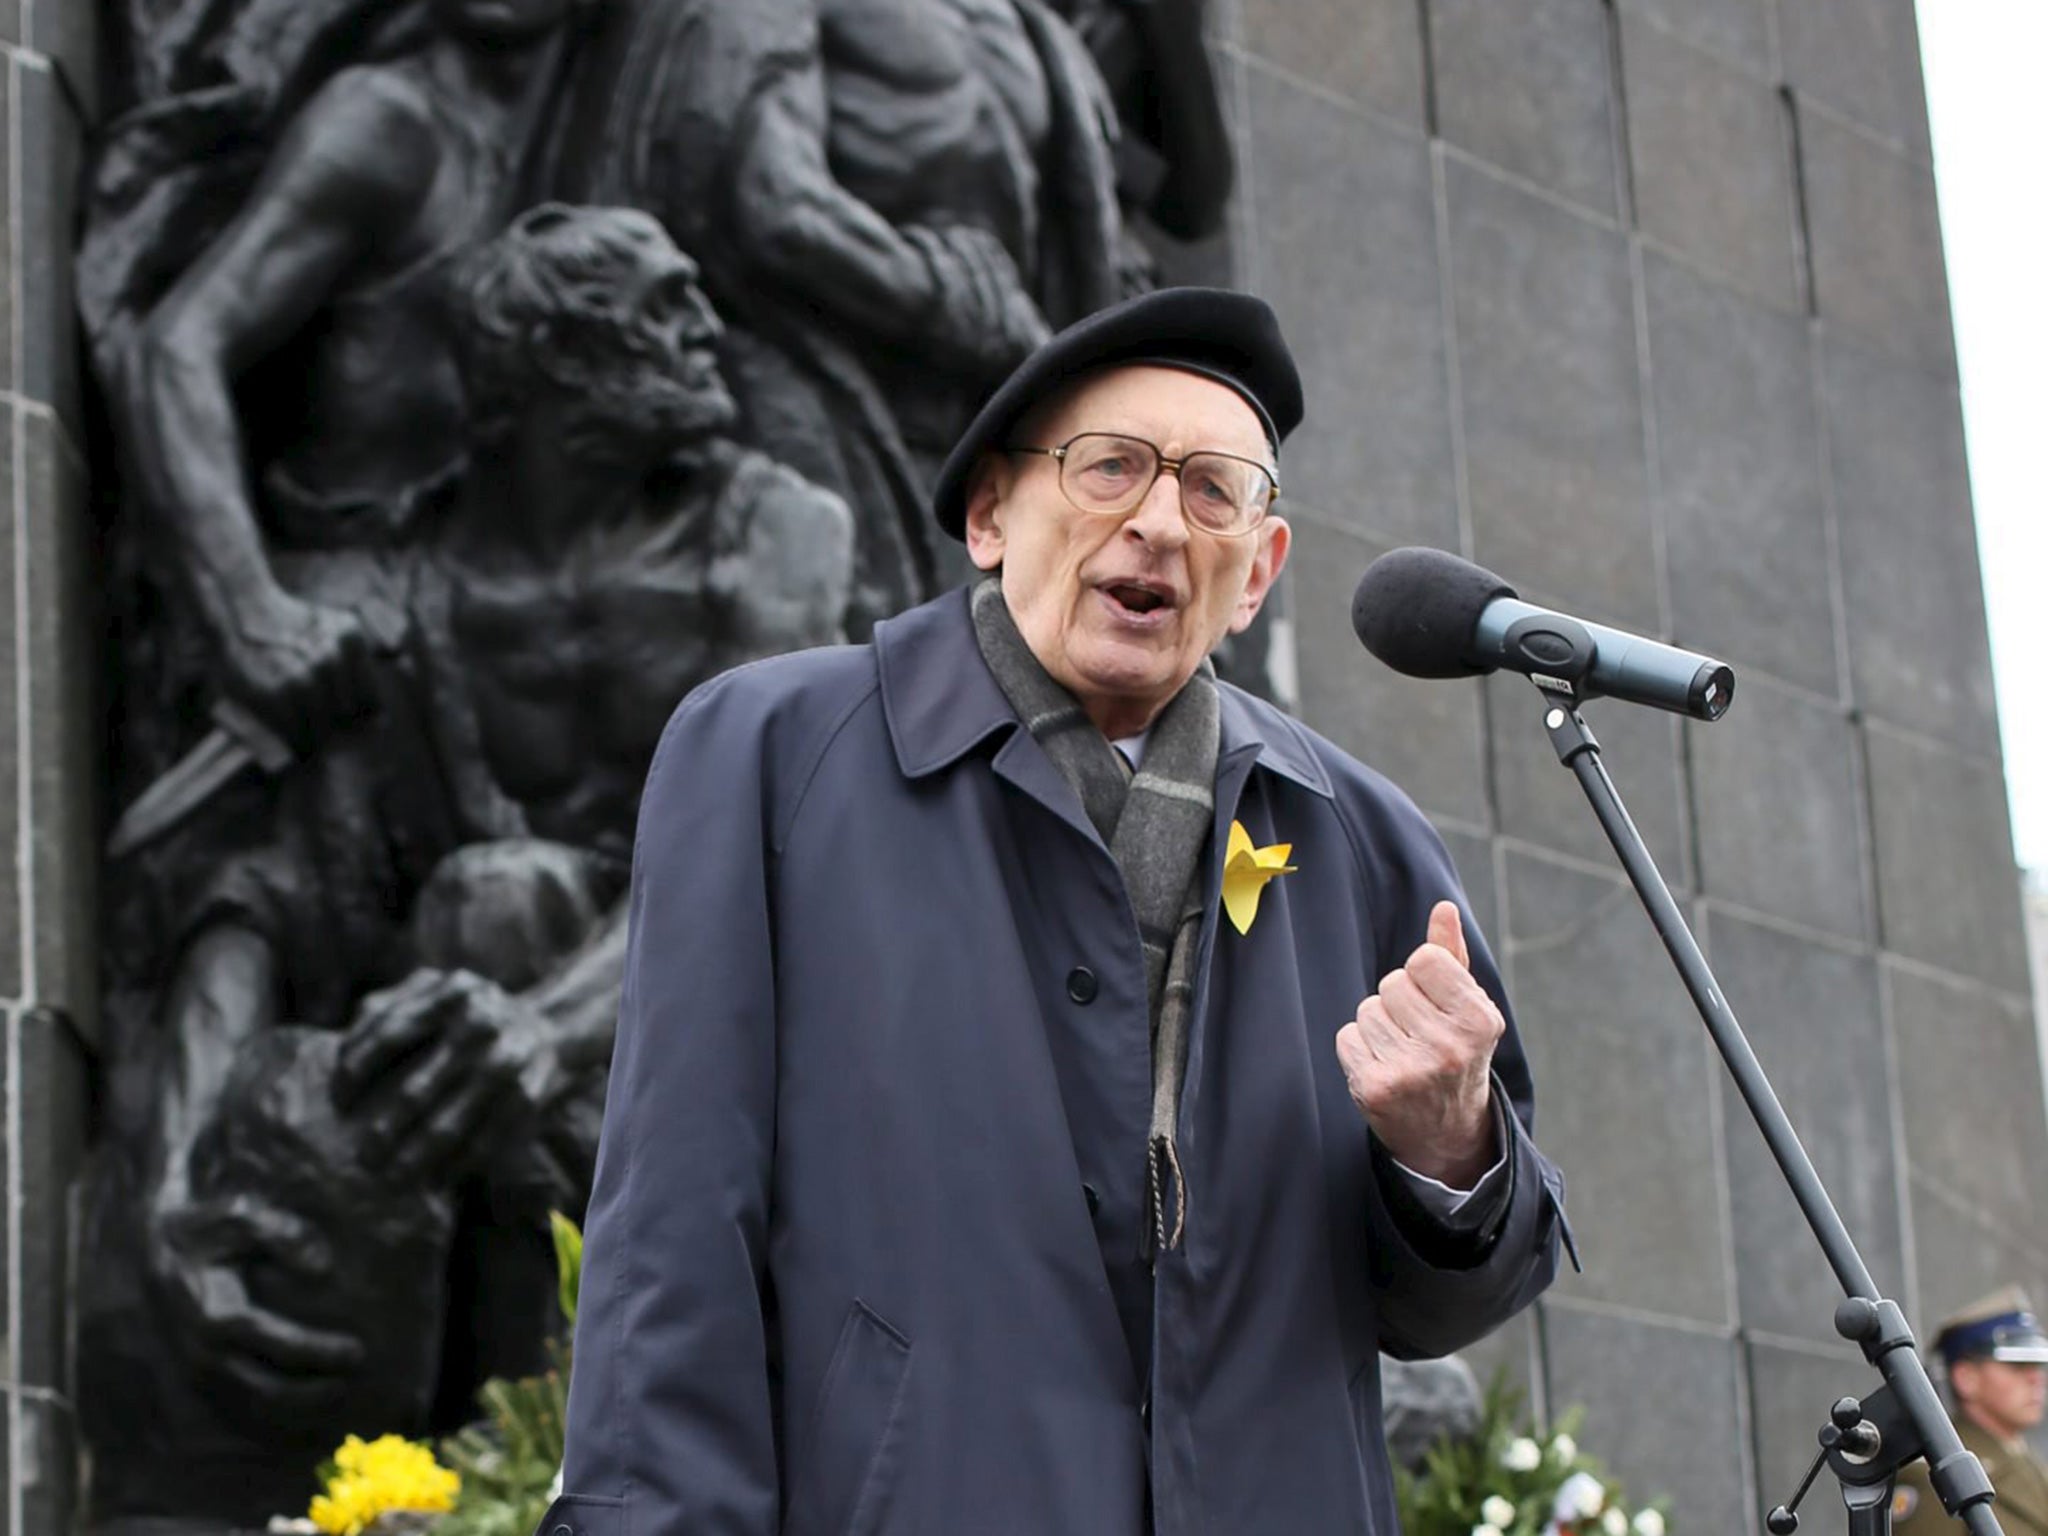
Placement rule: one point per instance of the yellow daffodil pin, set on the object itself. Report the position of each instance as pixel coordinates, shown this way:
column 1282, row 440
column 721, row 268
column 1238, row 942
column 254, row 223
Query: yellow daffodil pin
column 1245, row 872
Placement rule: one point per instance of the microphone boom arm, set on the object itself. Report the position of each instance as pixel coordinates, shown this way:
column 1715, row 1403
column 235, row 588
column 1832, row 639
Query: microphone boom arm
column 1907, row 1404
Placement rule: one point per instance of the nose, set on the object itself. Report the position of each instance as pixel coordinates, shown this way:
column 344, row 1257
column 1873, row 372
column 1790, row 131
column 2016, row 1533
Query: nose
column 1157, row 519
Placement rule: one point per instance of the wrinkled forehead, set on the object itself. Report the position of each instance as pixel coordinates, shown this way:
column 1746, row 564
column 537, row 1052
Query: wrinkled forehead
column 1162, row 402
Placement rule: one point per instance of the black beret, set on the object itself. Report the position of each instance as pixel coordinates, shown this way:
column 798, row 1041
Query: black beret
column 1233, row 338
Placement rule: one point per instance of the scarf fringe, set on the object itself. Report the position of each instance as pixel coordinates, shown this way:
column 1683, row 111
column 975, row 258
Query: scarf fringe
column 1163, row 1161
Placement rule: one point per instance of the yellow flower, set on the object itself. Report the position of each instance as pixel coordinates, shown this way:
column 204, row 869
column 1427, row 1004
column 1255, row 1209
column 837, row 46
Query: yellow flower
column 1245, row 872
column 372, row 1477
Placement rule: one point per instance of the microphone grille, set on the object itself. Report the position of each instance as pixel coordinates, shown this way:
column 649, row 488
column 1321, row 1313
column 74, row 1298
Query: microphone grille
column 1416, row 610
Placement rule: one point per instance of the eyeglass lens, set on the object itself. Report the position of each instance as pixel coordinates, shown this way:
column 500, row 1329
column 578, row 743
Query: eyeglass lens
column 1102, row 472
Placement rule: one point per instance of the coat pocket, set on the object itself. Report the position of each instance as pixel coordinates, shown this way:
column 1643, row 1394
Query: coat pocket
column 579, row 1514
column 855, row 1448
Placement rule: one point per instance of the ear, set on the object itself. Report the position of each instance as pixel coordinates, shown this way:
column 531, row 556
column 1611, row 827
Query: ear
column 1273, row 538
column 988, row 490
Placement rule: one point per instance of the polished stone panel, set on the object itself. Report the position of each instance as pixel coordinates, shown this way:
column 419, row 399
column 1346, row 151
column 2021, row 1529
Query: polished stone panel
column 1368, row 51
column 1662, row 1406
column 10, row 724
column 1812, row 1015
column 1546, row 343
column 1862, row 58
column 1739, row 472
column 55, row 1100
column 1962, row 1255
column 1739, row 30
column 1345, row 246
column 1947, row 888
column 51, row 148
column 1712, row 161
column 1529, row 87
column 1625, row 1093
column 66, row 739
column 1425, row 736
column 46, row 1464
column 1970, row 1075
column 1876, row 242
column 1539, row 799
column 1912, row 590
column 1779, row 809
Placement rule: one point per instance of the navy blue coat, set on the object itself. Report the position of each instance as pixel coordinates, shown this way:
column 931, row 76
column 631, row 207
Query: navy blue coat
column 877, row 1117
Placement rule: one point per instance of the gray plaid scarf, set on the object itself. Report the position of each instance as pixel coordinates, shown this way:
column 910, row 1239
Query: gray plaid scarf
column 1155, row 823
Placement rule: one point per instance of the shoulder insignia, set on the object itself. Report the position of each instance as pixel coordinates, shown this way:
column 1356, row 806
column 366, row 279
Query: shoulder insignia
column 1904, row 1501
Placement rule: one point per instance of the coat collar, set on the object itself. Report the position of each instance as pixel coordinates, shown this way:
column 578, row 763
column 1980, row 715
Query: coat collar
column 941, row 701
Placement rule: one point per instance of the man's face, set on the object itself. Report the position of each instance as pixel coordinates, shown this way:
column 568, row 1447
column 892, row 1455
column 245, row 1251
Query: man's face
column 659, row 388
column 1121, row 610
column 2006, row 1398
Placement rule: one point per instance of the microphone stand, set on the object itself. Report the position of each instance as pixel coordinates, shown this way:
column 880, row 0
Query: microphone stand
column 1864, row 1442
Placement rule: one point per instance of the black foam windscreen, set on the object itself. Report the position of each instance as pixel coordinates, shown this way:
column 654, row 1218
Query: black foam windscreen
column 1416, row 610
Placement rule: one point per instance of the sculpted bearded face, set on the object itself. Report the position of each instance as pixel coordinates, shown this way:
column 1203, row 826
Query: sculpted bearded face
column 1121, row 609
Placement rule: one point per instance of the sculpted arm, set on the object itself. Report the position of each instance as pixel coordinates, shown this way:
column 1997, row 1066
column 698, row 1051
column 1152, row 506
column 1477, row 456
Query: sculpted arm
column 954, row 289
column 348, row 172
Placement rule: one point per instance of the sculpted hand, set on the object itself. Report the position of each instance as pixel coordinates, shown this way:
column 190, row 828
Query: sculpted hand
column 447, row 1072
column 1418, row 1058
column 983, row 313
column 303, row 668
column 199, row 1253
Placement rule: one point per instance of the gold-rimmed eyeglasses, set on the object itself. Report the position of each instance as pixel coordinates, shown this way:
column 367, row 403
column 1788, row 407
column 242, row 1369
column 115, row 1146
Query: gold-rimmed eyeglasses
column 1111, row 474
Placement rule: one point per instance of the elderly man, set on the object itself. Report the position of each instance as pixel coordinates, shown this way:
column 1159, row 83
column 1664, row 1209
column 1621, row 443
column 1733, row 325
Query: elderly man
column 1997, row 1360
column 965, row 1168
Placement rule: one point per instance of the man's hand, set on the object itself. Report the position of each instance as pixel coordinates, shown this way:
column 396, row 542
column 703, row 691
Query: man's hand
column 1419, row 1055
column 302, row 668
column 447, row 1072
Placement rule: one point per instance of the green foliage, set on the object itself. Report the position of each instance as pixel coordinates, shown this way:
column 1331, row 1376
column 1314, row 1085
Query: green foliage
column 1510, row 1479
column 568, row 1261
column 510, row 1461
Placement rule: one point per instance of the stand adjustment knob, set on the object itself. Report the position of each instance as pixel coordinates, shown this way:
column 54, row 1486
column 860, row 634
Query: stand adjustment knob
column 1847, row 1413
column 1781, row 1522
column 1856, row 1318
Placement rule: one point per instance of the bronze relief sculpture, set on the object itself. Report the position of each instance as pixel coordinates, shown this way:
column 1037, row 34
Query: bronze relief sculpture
column 485, row 374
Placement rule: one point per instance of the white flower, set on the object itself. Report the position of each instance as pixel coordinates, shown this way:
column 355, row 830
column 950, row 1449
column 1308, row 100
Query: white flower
column 1486, row 1530
column 1522, row 1455
column 1579, row 1497
column 1565, row 1449
column 1614, row 1523
column 1497, row 1512
column 1649, row 1523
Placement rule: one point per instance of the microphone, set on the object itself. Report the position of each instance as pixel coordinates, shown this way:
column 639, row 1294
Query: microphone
column 1430, row 614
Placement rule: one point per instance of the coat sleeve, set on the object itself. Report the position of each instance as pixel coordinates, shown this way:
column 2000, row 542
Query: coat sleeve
column 1439, row 1289
column 671, row 1414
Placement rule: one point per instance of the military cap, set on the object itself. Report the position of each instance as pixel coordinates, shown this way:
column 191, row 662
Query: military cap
column 1230, row 337
column 2000, row 1326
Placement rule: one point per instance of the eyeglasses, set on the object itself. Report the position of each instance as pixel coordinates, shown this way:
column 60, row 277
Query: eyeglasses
column 1110, row 474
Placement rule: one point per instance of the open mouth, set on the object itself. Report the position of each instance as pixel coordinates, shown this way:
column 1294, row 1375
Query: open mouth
column 1137, row 597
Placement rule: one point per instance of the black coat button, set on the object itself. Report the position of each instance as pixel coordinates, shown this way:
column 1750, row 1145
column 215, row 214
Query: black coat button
column 1081, row 984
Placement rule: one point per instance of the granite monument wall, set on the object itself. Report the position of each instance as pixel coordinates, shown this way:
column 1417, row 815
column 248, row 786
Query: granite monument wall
column 1642, row 305
column 49, row 750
